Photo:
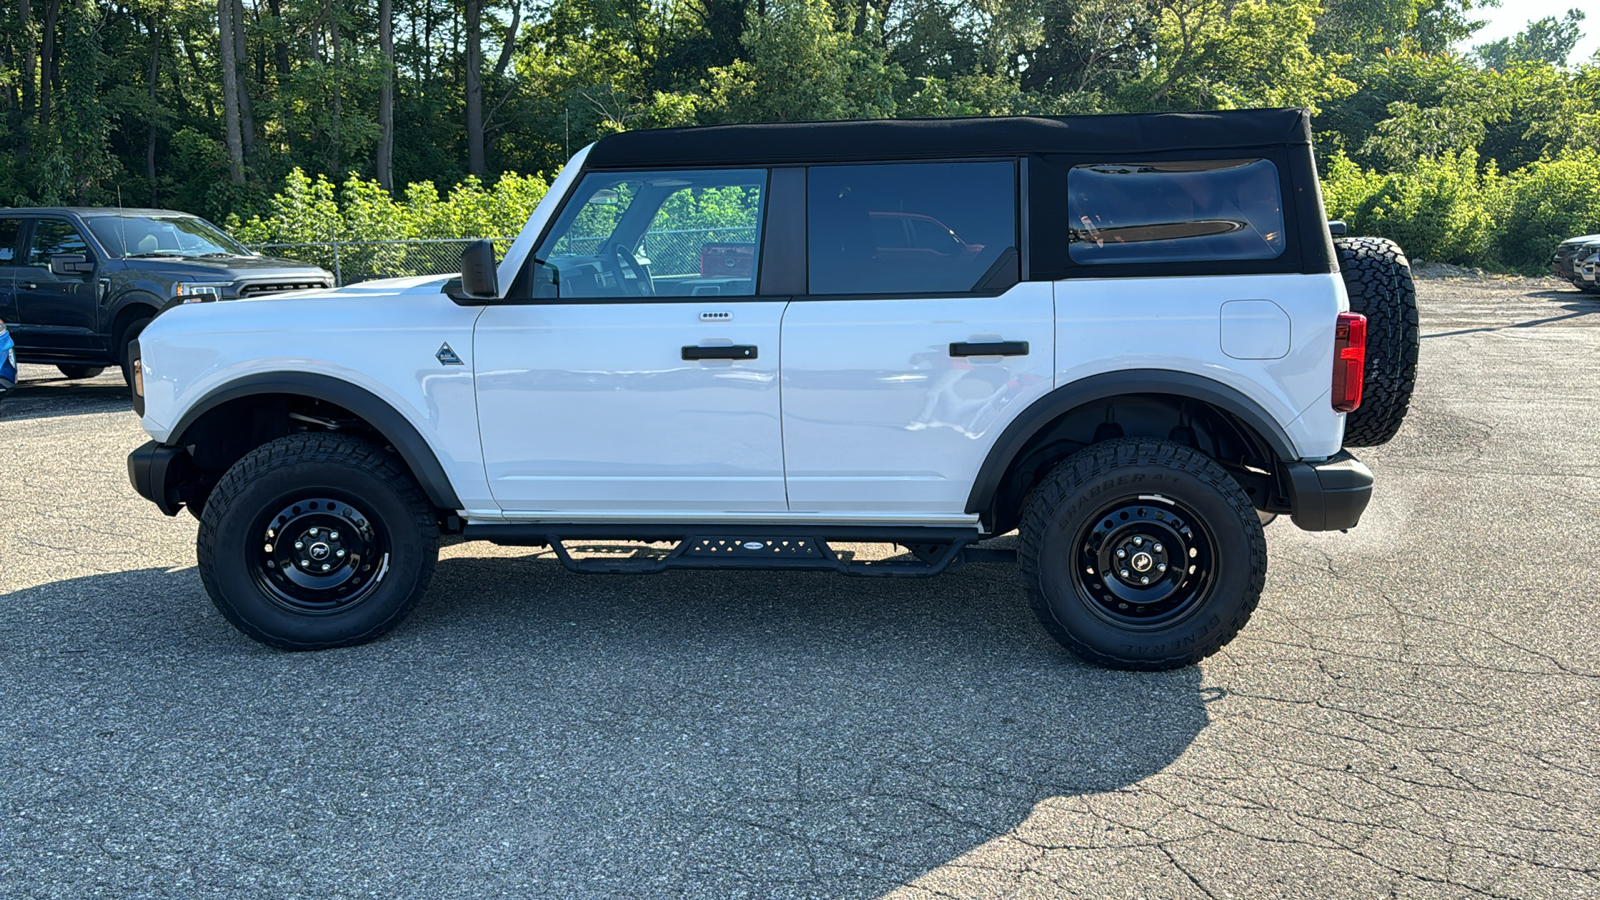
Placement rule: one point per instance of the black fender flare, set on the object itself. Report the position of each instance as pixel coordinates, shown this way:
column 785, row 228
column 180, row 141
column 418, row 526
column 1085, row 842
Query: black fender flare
column 121, row 303
column 1105, row 386
column 137, row 297
column 388, row 421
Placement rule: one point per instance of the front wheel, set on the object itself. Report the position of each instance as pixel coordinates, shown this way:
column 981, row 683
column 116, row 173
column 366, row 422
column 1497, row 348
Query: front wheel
column 1141, row 554
column 125, row 347
column 317, row 540
column 78, row 372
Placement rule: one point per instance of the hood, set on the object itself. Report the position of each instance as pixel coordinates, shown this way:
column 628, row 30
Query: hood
column 226, row 268
column 420, row 284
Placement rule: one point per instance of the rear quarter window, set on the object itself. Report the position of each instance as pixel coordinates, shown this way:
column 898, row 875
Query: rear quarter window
column 1165, row 212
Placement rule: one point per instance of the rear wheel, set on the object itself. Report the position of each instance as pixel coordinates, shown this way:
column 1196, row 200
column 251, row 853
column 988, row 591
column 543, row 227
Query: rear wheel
column 1377, row 276
column 317, row 540
column 1141, row 554
column 77, row 372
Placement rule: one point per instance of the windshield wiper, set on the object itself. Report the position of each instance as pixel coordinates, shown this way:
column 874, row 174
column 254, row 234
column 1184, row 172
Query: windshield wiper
column 156, row 255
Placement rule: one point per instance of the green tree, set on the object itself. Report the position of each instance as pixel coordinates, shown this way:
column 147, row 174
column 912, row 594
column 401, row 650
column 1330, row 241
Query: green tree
column 1547, row 40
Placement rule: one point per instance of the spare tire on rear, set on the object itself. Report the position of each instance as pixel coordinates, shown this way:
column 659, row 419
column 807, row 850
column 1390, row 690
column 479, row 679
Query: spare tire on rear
column 1377, row 276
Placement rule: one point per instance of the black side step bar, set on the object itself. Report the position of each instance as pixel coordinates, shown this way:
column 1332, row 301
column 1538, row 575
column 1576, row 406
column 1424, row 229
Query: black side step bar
column 936, row 549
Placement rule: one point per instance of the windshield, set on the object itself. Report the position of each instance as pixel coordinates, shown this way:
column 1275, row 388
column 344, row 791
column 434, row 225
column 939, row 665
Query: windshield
column 134, row 236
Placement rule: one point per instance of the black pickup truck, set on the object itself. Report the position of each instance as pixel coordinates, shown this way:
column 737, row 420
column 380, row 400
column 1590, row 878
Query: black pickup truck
column 77, row 285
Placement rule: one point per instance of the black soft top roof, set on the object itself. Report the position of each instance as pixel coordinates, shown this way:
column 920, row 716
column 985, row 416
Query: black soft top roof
column 803, row 142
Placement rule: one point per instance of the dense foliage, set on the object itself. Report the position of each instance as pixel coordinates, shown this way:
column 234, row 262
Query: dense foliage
column 219, row 106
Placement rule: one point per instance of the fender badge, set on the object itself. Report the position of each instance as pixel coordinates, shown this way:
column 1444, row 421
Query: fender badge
column 448, row 357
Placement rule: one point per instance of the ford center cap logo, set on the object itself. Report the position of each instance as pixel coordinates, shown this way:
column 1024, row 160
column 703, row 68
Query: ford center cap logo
column 448, row 357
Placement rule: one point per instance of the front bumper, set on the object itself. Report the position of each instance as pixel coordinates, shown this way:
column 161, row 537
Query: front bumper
column 1329, row 495
column 155, row 470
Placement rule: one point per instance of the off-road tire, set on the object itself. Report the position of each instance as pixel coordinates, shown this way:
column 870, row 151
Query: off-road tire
column 76, row 372
column 281, row 475
column 1377, row 276
column 1100, row 482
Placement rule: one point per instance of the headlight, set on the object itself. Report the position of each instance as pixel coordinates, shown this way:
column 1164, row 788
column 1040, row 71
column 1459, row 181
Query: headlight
column 198, row 292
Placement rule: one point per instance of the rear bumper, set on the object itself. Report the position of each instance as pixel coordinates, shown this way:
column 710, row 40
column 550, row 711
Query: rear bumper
column 1329, row 495
column 152, row 469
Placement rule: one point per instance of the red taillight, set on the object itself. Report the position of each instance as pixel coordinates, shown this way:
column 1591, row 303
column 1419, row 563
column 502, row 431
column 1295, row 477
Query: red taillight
column 1349, row 360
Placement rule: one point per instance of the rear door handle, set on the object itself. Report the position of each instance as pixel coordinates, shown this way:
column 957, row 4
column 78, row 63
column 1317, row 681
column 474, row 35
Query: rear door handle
column 989, row 348
column 28, row 286
column 735, row 351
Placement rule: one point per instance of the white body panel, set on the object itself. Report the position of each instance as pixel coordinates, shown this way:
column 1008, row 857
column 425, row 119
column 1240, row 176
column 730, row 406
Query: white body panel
column 590, row 407
column 877, row 415
column 1107, row 325
column 377, row 335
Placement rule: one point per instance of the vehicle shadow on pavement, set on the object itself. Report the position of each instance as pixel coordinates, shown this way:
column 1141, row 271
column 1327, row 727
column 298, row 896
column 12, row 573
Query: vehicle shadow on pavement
column 533, row 732
column 48, row 398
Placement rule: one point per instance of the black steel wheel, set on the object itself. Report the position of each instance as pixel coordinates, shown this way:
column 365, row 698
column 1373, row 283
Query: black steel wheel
column 1145, row 562
column 1141, row 554
column 320, row 555
column 317, row 540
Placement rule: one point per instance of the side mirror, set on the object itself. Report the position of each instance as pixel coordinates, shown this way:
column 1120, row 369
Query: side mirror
column 480, row 279
column 1336, row 228
column 71, row 264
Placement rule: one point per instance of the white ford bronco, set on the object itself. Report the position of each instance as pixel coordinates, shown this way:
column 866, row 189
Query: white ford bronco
column 1133, row 339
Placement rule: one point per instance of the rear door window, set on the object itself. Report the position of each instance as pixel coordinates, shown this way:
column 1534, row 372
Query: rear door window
column 909, row 228
column 1175, row 212
column 10, row 230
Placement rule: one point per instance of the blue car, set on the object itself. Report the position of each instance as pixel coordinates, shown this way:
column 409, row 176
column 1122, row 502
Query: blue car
column 8, row 362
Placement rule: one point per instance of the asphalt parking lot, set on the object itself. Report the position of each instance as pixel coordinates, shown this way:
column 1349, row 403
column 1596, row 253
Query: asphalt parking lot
column 1413, row 712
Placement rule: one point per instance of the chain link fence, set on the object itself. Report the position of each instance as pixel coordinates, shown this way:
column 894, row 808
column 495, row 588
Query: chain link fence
column 353, row 261
column 669, row 252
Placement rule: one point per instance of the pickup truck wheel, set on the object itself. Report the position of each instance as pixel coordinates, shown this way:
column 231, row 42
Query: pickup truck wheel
column 77, row 372
column 125, row 347
column 1377, row 276
column 1141, row 554
column 317, row 540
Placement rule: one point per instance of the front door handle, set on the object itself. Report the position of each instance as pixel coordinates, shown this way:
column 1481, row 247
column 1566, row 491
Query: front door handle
column 989, row 348
column 29, row 286
column 726, row 351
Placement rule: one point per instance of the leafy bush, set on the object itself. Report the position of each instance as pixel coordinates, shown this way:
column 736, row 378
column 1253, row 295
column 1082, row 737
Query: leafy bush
column 1438, row 210
column 313, row 211
column 1548, row 202
column 360, row 214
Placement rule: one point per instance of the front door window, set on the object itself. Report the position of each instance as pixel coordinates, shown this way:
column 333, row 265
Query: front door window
column 657, row 234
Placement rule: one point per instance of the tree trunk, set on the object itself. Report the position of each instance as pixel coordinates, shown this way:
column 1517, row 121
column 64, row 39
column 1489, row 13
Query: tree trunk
column 280, row 49
column 474, row 83
column 150, row 127
column 384, row 161
column 230, row 90
column 241, row 58
column 338, row 79
column 48, row 67
column 510, row 45
column 29, row 59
